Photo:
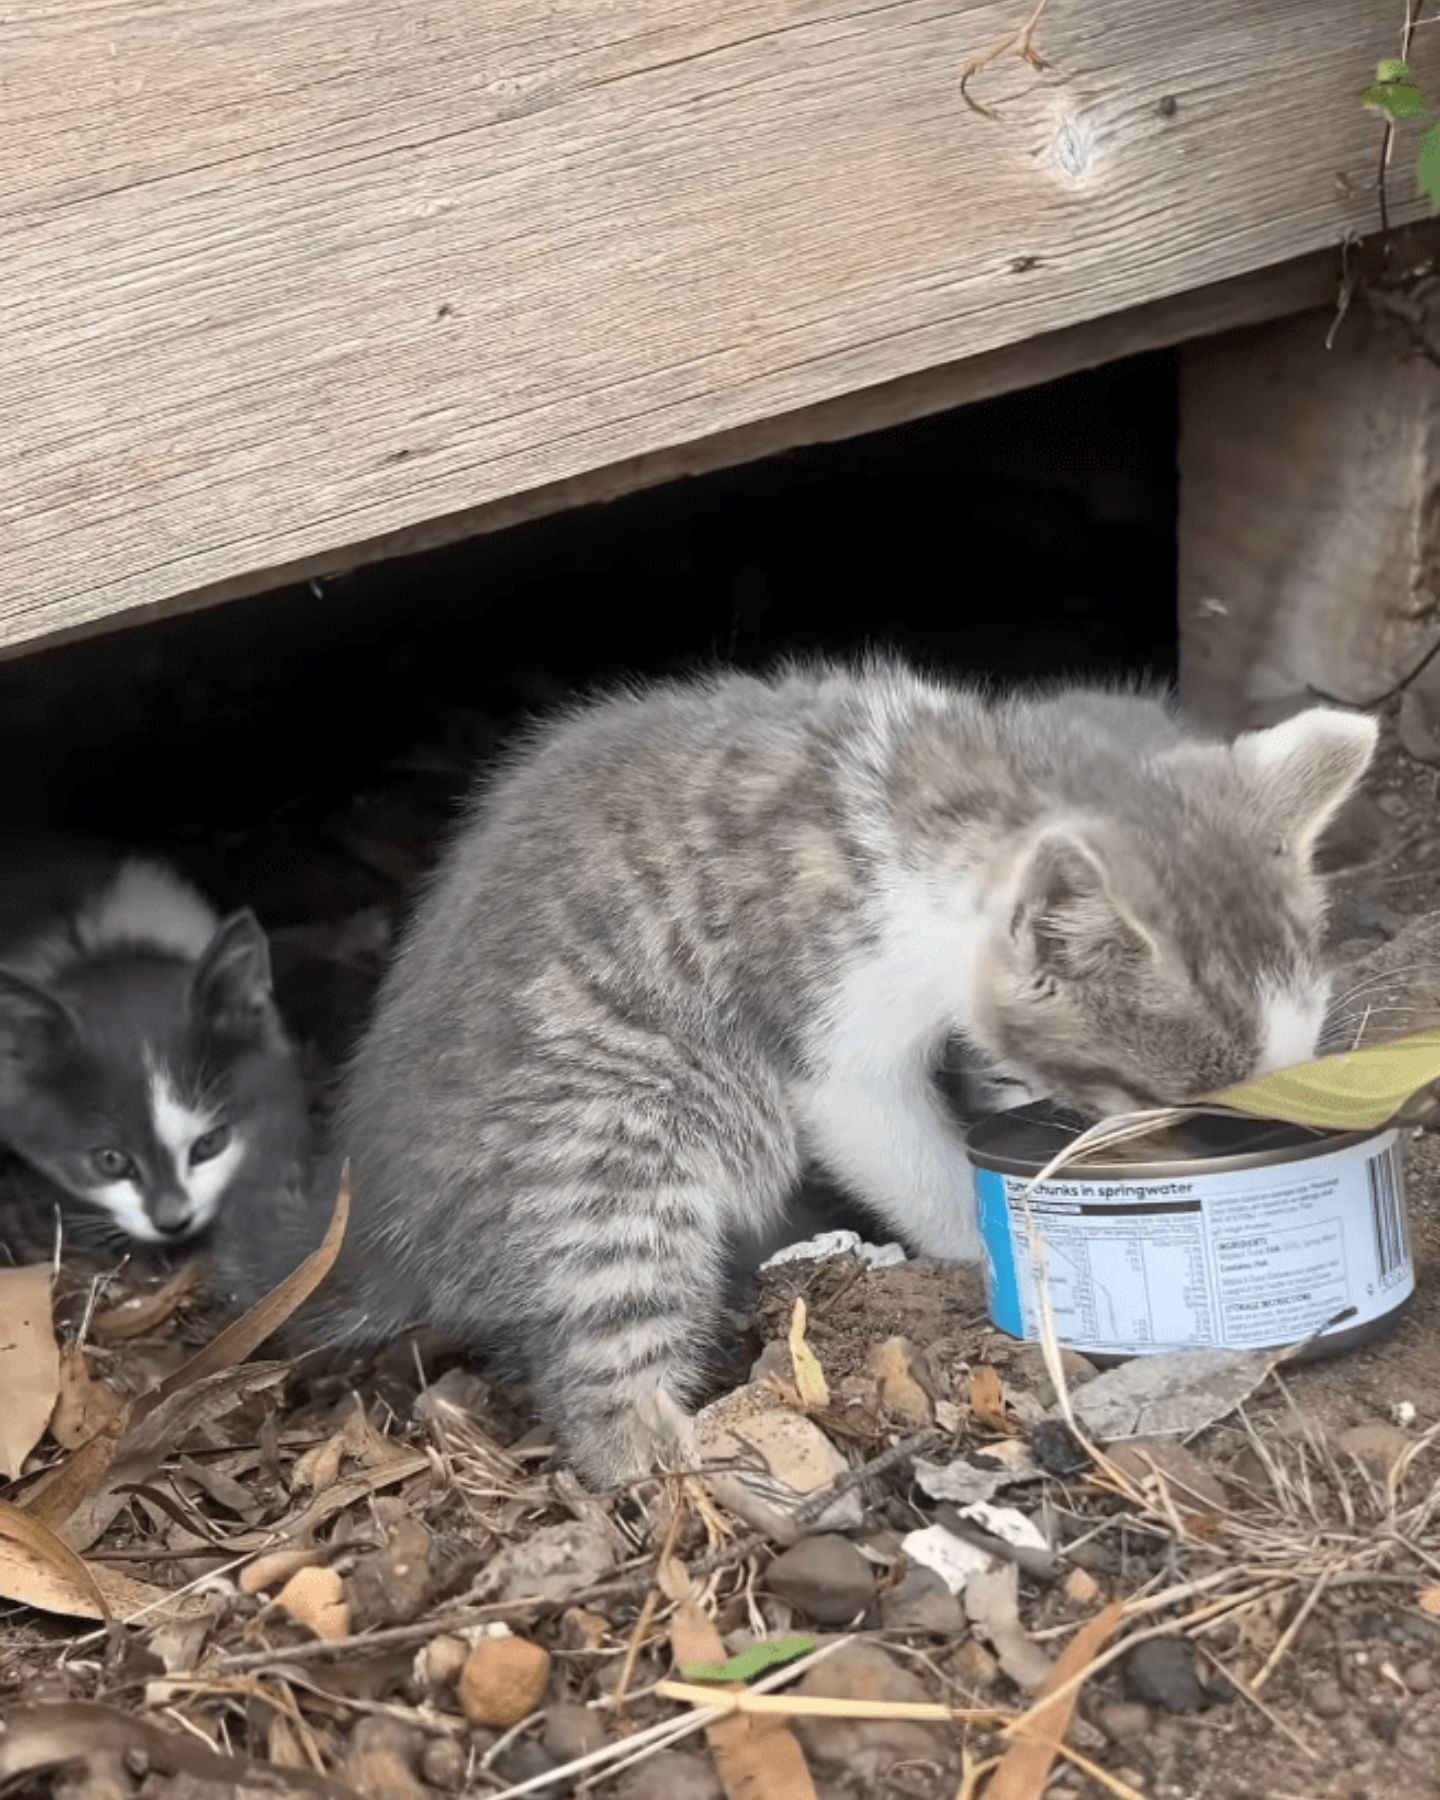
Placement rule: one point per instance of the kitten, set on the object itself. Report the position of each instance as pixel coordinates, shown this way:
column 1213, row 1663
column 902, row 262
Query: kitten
column 145, row 1078
column 694, row 937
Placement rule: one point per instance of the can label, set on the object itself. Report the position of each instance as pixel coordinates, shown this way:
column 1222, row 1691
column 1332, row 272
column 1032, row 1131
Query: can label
column 1240, row 1258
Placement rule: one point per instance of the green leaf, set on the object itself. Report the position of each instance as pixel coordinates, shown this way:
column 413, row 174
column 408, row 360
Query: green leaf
column 1427, row 165
column 1393, row 68
column 752, row 1662
column 1397, row 99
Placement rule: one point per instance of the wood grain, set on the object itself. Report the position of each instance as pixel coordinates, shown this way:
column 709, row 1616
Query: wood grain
column 297, row 274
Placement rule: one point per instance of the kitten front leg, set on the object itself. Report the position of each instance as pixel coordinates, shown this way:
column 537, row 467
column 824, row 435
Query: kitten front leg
column 883, row 1133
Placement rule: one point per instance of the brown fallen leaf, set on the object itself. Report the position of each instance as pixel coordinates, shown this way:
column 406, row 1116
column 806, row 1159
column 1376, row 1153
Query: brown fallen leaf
column 756, row 1758
column 987, row 1400
column 80, row 1476
column 810, row 1381
column 84, row 1406
column 37, row 1568
column 37, row 1739
column 1024, row 1771
column 275, row 1569
column 143, row 1314
column 896, row 1366
column 29, row 1363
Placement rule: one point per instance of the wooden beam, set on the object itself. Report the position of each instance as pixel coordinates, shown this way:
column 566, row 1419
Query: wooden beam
column 300, row 275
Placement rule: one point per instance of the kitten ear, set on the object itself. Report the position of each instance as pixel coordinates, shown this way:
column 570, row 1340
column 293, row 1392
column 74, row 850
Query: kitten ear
column 232, row 984
column 32, row 1022
column 1067, row 910
column 1305, row 769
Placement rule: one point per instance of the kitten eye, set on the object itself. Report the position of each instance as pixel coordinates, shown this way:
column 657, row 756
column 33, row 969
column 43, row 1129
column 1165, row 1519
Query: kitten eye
column 213, row 1142
column 114, row 1165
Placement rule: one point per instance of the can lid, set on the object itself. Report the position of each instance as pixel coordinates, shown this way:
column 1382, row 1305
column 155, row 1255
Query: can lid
column 1022, row 1141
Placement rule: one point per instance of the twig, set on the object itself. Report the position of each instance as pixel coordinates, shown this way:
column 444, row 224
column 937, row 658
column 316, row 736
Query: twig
column 1391, row 692
column 1021, row 40
column 1291, row 1632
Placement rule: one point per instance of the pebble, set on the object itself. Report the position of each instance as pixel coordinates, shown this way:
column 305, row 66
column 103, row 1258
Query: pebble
column 572, row 1731
column 866, row 1747
column 1162, row 1673
column 825, row 1578
column 444, row 1764
column 922, row 1602
column 1419, row 1677
column 392, row 1585
column 1190, row 1483
column 1327, row 1699
column 503, row 1681
column 1125, row 1721
column 1394, row 806
column 673, row 1775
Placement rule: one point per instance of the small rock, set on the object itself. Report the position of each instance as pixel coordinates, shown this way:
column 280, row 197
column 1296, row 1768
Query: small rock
column 673, row 1775
column 1386, row 1724
column 798, row 1460
column 1327, row 1699
column 444, row 1764
column 503, row 1681
column 974, row 1666
column 440, row 1662
column 1379, row 1444
column 1057, row 1450
column 1125, row 1721
column 1394, row 806
column 1419, row 1677
column 316, row 1598
column 552, row 1563
column 864, row 1748
column 381, row 1758
column 921, row 1601
column 1028, row 1365
column 525, row 1760
column 1081, row 1587
column 825, row 1578
column 906, row 1386
column 1162, row 1673
column 572, row 1731
column 392, row 1586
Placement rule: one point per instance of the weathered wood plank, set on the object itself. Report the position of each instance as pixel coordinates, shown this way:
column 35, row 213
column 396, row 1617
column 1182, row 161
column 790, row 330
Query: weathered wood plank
column 293, row 275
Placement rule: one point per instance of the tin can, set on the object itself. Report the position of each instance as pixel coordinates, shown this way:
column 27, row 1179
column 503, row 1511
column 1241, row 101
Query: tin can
column 1231, row 1233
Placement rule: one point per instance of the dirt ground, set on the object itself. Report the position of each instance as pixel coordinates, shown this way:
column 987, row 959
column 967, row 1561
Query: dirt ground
column 348, row 1539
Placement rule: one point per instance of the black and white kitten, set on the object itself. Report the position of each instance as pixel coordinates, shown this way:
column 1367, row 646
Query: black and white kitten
column 146, row 1079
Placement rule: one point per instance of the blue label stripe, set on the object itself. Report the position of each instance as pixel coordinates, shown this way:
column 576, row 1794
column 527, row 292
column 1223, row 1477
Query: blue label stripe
column 1003, row 1281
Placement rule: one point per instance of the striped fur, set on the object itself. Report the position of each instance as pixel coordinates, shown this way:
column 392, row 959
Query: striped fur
column 694, row 937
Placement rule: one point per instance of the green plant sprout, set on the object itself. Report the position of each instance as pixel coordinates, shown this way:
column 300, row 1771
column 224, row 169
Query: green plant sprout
column 1398, row 98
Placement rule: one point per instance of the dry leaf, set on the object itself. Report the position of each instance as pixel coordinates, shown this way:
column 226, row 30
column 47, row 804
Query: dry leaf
column 788, row 1459
column 755, row 1758
column 1081, row 1587
column 1176, row 1393
column 80, row 1476
column 809, row 1376
column 987, row 1399
column 29, row 1364
column 992, row 1604
column 315, row 1598
column 38, row 1739
column 145, row 1313
column 274, row 1569
column 894, row 1366
column 1024, row 1770
column 39, row 1569
column 84, row 1406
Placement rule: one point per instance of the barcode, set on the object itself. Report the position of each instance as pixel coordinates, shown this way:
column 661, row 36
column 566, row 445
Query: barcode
column 1392, row 1254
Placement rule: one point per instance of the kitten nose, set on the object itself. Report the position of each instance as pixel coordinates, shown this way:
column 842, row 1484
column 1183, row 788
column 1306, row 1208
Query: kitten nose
column 170, row 1214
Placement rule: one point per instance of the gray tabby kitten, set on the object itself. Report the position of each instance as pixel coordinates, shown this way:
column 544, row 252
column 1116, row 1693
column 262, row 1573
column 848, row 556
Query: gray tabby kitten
column 696, row 936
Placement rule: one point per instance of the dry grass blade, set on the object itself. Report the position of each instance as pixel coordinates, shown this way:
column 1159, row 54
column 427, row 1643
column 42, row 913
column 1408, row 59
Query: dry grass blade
column 29, row 1363
column 1024, row 1770
column 810, row 1381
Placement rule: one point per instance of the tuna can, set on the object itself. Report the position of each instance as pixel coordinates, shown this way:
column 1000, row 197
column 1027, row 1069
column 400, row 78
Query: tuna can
column 1227, row 1233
